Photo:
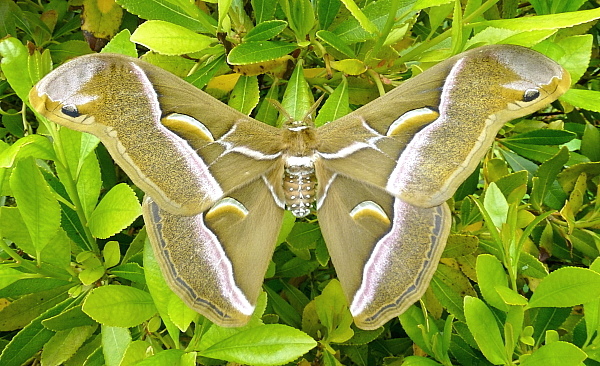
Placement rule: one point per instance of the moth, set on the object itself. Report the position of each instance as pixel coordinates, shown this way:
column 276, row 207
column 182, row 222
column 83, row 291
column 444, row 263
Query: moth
column 217, row 182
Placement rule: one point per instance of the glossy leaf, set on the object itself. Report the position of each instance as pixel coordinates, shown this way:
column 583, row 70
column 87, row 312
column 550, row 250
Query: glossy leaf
column 169, row 39
column 265, row 345
column 36, row 203
column 265, row 30
column 252, row 52
column 484, row 328
column 117, row 209
column 119, row 306
column 567, row 287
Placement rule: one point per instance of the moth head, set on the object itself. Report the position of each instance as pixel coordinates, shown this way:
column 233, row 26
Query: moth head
column 505, row 81
column 63, row 93
column 530, row 78
column 88, row 88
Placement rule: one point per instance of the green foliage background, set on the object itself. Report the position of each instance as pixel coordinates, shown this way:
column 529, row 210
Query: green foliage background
column 519, row 281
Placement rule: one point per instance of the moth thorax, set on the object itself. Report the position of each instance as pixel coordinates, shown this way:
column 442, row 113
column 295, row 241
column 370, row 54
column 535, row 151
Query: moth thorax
column 299, row 183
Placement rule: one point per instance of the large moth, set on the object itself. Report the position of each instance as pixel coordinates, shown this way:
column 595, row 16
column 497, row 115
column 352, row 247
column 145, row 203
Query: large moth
column 217, row 181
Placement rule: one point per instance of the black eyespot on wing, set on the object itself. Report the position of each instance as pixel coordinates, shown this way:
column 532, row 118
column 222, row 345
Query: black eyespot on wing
column 70, row 110
column 531, row 95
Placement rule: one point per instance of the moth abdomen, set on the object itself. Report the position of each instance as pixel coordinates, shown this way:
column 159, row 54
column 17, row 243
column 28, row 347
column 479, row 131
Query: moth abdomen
column 299, row 182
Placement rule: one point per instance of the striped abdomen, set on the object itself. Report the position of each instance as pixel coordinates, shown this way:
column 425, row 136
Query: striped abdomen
column 299, row 183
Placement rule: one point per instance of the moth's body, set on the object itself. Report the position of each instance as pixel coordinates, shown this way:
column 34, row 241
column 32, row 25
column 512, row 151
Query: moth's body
column 299, row 146
column 217, row 182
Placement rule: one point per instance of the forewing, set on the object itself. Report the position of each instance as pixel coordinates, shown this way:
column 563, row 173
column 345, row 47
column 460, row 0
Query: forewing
column 423, row 139
column 158, row 128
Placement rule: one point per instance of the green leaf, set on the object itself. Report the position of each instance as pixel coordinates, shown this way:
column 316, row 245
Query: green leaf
column 510, row 296
column 119, row 306
column 160, row 292
column 64, row 344
column 573, row 53
column 327, row 10
column 14, row 60
column 68, row 319
column 523, row 38
column 166, row 357
column 554, row 21
column 129, row 271
column 20, row 312
column 170, row 39
column 419, row 361
column 483, row 326
column 115, row 341
column 265, row 30
column 121, row 43
column 556, row 354
column 569, row 176
column 135, row 352
column 82, row 165
column 491, row 273
column 543, row 137
column 542, row 153
column 357, row 13
column 296, row 267
column 31, row 339
column 336, row 106
column 496, row 205
column 336, row 42
column 332, row 308
column 301, row 16
column 38, row 207
column 66, row 50
column 117, row 210
column 264, row 9
column 303, row 235
column 545, row 177
column 180, row 313
column 184, row 13
column 271, row 344
column 413, row 322
column 111, row 254
column 203, row 75
column 9, row 275
column 286, row 312
column 268, row 113
column 297, row 99
column 245, row 94
column 253, row 52
column 552, row 7
column 460, row 245
column 586, row 99
column 89, row 183
column 449, row 286
column 518, row 163
column 350, row 66
column 590, row 141
column 352, row 31
column 565, row 287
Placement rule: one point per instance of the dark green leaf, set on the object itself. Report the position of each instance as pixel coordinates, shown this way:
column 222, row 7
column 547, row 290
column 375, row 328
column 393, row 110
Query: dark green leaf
column 542, row 137
column 334, row 41
column 253, row 52
column 590, row 142
column 265, row 30
column 545, row 177
column 31, row 339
